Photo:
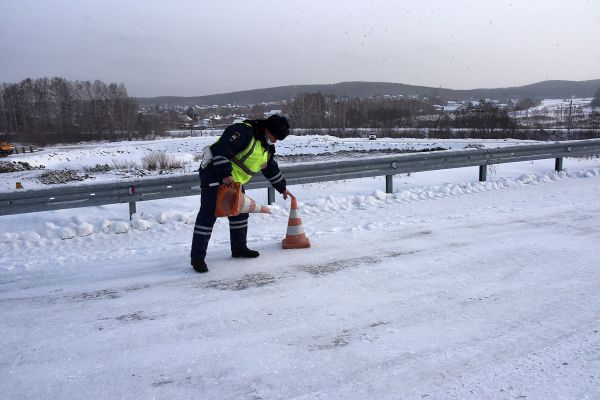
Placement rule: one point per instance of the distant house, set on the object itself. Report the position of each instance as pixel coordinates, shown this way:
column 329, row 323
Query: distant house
column 451, row 106
column 202, row 124
column 273, row 112
column 239, row 118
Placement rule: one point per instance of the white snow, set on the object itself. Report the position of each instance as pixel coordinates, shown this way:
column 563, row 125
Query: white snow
column 140, row 224
column 85, row 229
column 120, row 227
column 448, row 288
column 67, row 233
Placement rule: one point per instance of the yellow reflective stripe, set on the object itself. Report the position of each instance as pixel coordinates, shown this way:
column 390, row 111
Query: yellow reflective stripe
column 241, row 166
column 245, row 156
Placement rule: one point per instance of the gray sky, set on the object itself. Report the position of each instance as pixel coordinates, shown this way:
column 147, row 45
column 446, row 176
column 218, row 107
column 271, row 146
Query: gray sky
column 187, row 48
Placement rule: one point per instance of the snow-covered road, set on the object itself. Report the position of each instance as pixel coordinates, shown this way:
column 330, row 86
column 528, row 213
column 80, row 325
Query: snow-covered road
column 472, row 291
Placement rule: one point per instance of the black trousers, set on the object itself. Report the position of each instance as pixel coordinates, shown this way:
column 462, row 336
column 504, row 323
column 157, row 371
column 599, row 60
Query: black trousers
column 238, row 225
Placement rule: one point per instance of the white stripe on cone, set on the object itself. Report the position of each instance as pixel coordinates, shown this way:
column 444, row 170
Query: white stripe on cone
column 295, row 230
column 251, row 206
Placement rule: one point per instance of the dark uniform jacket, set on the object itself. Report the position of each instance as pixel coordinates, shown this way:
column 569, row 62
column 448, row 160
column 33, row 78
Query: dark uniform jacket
column 235, row 139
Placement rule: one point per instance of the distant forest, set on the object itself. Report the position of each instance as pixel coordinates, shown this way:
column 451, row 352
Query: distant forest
column 55, row 110
column 313, row 110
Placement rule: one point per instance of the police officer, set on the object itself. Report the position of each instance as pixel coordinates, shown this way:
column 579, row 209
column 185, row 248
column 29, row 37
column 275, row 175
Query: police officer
column 243, row 150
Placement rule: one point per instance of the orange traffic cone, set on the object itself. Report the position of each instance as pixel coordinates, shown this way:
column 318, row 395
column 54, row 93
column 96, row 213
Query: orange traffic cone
column 248, row 205
column 231, row 201
column 295, row 237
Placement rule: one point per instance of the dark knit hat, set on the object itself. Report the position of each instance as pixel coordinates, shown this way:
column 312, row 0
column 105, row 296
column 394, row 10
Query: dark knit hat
column 278, row 126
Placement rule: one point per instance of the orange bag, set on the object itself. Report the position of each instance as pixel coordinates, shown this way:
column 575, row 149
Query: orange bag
column 229, row 198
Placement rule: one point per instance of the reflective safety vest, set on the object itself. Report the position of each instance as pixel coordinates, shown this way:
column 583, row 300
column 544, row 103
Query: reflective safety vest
column 249, row 161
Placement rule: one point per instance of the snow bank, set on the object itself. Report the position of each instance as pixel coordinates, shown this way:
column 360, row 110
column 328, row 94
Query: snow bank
column 172, row 218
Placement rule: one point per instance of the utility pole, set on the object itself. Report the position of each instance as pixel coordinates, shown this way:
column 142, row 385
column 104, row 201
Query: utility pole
column 344, row 120
column 192, row 115
column 570, row 109
column 561, row 115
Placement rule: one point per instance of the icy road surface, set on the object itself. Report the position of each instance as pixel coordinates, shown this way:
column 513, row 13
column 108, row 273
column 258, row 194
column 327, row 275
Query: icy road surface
column 456, row 291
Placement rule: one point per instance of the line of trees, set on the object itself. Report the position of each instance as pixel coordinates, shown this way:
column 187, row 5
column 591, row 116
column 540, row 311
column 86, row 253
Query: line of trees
column 314, row 110
column 50, row 110
column 483, row 118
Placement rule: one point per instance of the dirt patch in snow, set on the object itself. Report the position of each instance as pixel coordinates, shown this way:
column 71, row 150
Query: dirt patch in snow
column 335, row 266
column 16, row 166
column 98, row 168
column 340, row 340
column 105, row 294
column 136, row 316
column 247, row 281
column 57, row 177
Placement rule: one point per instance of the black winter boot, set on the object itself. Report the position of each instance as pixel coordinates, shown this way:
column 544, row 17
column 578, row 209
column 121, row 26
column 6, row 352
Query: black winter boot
column 244, row 252
column 199, row 265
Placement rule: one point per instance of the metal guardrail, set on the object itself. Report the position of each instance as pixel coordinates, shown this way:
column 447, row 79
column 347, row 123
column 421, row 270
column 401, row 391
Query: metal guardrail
column 132, row 191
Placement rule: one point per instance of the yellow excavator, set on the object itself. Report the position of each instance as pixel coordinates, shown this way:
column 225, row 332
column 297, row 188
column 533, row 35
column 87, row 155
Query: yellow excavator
column 6, row 149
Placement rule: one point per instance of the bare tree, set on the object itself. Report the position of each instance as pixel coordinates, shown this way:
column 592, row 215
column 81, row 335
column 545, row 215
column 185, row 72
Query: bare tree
column 596, row 101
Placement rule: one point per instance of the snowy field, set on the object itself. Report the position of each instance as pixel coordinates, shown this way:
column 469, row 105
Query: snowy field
column 125, row 158
column 447, row 289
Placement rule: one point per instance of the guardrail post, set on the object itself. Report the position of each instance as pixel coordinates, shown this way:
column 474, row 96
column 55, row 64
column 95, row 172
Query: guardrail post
column 389, row 184
column 132, row 209
column 482, row 173
column 558, row 164
column 270, row 195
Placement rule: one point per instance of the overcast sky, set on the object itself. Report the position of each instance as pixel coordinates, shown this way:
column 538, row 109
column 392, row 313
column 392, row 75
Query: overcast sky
column 187, row 47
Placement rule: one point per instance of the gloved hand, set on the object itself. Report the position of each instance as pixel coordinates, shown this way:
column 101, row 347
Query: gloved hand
column 228, row 180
